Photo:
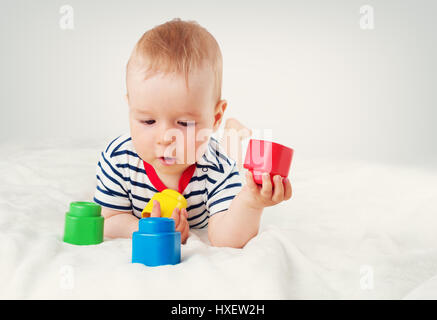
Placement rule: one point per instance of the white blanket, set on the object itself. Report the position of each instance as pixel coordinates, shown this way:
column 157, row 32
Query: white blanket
column 352, row 230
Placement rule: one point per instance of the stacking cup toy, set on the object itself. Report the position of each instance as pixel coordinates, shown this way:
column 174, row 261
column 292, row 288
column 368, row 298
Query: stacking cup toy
column 156, row 242
column 169, row 200
column 84, row 224
column 264, row 156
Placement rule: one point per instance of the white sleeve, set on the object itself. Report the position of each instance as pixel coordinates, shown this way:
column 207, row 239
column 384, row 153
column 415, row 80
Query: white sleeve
column 111, row 190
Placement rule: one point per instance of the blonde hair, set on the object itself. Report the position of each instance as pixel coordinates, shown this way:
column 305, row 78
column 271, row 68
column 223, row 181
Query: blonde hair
column 177, row 46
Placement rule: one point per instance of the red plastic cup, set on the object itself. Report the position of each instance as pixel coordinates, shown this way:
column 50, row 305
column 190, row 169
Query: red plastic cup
column 265, row 156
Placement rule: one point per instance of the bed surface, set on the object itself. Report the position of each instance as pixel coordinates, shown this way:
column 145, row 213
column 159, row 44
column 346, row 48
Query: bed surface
column 352, row 230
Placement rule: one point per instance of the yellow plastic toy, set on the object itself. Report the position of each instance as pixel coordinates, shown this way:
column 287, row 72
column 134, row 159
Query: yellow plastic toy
column 169, row 200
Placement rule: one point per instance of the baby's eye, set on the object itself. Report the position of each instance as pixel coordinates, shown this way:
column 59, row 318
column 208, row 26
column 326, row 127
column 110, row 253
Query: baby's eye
column 186, row 123
column 148, row 121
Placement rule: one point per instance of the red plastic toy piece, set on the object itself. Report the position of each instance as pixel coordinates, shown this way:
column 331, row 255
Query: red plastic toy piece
column 265, row 156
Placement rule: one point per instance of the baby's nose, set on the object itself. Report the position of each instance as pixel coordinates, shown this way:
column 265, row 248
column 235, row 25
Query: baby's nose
column 164, row 140
column 165, row 137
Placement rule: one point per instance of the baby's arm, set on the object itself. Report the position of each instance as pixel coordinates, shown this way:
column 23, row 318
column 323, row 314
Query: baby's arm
column 235, row 226
column 119, row 224
column 240, row 223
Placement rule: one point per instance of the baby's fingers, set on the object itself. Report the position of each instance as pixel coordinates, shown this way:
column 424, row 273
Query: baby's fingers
column 156, row 210
column 250, row 182
column 266, row 190
column 185, row 227
column 176, row 215
column 288, row 190
column 184, row 214
column 278, row 192
column 184, row 234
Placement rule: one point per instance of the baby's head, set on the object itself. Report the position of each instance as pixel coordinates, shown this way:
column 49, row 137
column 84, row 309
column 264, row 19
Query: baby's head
column 173, row 81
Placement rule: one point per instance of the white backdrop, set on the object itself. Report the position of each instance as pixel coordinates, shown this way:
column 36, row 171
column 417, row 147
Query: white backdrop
column 305, row 69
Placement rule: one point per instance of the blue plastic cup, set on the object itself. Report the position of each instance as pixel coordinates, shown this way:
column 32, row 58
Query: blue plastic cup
column 156, row 242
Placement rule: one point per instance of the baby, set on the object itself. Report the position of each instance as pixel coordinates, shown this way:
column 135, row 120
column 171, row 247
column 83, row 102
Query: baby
column 173, row 80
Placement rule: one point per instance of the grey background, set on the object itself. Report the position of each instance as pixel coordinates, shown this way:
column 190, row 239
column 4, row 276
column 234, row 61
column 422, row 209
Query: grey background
column 304, row 69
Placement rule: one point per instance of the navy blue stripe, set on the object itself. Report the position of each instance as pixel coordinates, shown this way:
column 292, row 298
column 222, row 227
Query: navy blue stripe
column 214, row 140
column 142, row 185
column 133, row 182
column 195, row 193
column 110, row 190
column 218, row 186
column 206, row 159
column 229, row 186
column 197, row 216
column 219, row 170
column 112, row 168
column 138, row 209
column 111, row 143
column 220, row 155
column 212, row 163
column 140, row 198
column 104, row 191
column 203, row 178
column 194, row 225
column 206, row 224
column 127, row 165
column 221, row 200
column 119, row 153
column 111, row 178
column 195, row 206
column 111, row 205
column 120, row 144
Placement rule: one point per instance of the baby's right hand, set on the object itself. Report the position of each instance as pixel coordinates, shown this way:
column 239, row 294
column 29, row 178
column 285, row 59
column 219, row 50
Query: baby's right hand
column 179, row 216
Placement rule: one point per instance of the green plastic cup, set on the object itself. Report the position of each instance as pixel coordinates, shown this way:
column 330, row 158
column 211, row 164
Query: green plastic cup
column 84, row 224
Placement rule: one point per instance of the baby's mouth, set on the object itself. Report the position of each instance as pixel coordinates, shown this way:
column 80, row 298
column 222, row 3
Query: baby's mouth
column 167, row 160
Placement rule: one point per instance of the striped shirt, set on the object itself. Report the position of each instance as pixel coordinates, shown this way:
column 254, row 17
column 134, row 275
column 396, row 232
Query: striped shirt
column 126, row 183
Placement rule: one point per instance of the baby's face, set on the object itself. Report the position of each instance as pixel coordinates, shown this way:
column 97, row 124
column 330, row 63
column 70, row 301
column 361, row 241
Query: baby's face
column 170, row 125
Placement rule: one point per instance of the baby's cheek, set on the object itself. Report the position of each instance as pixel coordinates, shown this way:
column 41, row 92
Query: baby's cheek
column 187, row 144
column 200, row 150
column 143, row 143
column 190, row 151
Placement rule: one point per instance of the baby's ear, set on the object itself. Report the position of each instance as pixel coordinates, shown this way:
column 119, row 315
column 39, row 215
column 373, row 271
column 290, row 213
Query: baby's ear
column 218, row 113
column 126, row 98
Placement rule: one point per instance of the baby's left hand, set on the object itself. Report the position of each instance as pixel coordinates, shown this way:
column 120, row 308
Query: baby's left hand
column 181, row 220
column 179, row 216
column 266, row 195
